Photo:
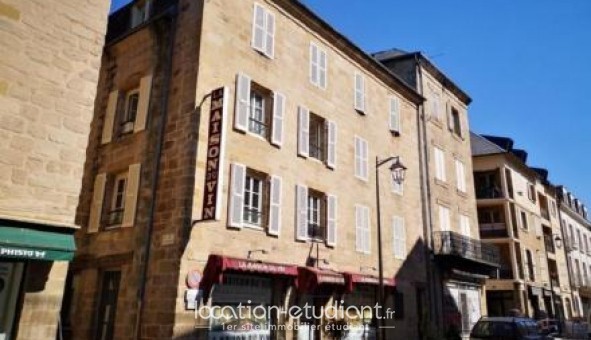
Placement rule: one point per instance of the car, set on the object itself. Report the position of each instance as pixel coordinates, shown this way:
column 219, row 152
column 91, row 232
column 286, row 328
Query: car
column 548, row 326
column 506, row 328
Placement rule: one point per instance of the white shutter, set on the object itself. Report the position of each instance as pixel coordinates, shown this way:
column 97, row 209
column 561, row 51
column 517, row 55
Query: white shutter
column 131, row 193
column 303, row 131
column 109, row 121
column 302, row 213
column 270, row 35
column 364, row 158
column 367, row 229
column 278, row 114
column 96, row 207
column 314, row 64
column 444, row 218
column 331, row 159
column 275, row 206
column 538, row 226
column 361, row 156
column 322, row 69
column 450, row 120
column 236, row 204
column 439, row 164
column 242, row 102
column 465, row 225
column 359, row 93
column 399, row 234
column 395, row 115
column 460, row 176
column 259, row 28
column 331, row 220
column 143, row 104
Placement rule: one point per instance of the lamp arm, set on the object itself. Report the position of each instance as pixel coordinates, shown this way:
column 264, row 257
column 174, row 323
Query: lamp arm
column 379, row 162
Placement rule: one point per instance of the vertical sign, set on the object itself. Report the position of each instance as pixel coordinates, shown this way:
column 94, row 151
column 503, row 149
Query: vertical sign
column 215, row 155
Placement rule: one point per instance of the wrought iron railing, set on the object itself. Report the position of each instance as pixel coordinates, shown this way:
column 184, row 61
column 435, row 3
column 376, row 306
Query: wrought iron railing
column 252, row 216
column 257, row 127
column 451, row 243
column 114, row 217
column 316, row 232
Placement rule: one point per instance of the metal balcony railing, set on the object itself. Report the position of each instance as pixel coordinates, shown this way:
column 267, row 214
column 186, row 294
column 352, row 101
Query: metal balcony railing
column 114, row 217
column 316, row 232
column 490, row 192
column 451, row 243
column 493, row 230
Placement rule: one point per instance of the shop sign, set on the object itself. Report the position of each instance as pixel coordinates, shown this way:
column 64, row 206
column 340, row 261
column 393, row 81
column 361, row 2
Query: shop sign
column 23, row 253
column 215, row 156
column 323, row 278
column 269, row 268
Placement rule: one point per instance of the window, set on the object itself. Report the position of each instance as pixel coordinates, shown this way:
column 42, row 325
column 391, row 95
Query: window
column 524, row 221
column 259, row 118
column 361, row 156
column 456, row 124
column 444, row 220
column 140, row 13
column 107, row 306
column 363, row 234
column 115, row 214
column 318, row 66
column 531, row 192
column 131, row 104
column 530, row 265
column 460, row 176
column 439, row 156
column 399, row 238
column 263, row 31
column 435, row 101
column 254, row 189
column 316, row 213
column 359, row 93
column 317, row 137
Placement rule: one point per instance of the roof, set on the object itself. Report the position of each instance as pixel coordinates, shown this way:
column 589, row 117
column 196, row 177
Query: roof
column 396, row 54
column 483, row 146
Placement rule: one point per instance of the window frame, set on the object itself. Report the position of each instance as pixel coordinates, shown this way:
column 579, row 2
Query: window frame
column 266, row 31
column 317, row 128
column 250, row 177
column 461, row 182
column 361, row 158
column 116, row 208
column 444, row 210
column 316, row 216
column 457, row 122
column 266, row 102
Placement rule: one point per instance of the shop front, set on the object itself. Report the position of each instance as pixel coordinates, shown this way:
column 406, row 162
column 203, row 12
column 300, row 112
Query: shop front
column 462, row 305
column 27, row 254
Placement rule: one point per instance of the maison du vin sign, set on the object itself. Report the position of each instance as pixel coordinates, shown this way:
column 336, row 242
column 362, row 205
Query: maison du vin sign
column 215, row 155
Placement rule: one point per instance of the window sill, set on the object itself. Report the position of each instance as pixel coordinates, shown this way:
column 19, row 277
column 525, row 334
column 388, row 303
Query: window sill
column 441, row 183
column 263, row 53
column 437, row 122
column 257, row 136
column 252, row 227
column 461, row 193
column 458, row 138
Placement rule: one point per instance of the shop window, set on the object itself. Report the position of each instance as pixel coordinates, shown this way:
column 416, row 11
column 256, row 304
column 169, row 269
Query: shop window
column 107, row 304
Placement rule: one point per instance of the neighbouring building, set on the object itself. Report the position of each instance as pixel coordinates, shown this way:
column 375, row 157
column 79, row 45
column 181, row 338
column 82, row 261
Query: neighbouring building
column 461, row 261
column 232, row 159
column 576, row 232
column 517, row 211
column 49, row 67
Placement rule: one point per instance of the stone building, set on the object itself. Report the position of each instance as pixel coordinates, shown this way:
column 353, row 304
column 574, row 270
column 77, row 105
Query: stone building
column 232, row 159
column 49, row 67
column 576, row 232
column 517, row 211
column 461, row 261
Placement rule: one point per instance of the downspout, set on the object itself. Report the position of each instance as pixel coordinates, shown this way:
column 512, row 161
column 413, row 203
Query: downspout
column 172, row 16
column 426, row 194
column 566, row 258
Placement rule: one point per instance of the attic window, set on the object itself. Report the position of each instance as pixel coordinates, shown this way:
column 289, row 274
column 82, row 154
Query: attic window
column 140, row 12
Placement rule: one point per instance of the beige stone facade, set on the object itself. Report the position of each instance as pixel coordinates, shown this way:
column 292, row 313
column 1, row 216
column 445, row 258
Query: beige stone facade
column 48, row 72
column 518, row 212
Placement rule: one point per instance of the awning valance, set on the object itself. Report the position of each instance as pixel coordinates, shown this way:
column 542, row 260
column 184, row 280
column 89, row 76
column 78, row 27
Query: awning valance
column 33, row 244
column 217, row 265
column 355, row 279
column 309, row 278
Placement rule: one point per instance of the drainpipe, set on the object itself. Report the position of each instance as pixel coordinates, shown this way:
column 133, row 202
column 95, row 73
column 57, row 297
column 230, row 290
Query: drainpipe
column 146, row 245
column 426, row 196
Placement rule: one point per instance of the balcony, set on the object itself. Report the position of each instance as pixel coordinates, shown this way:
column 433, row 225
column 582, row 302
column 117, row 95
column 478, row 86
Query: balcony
column 493, row 230
column 549, row 243
column 465, row 251
column 489, row 193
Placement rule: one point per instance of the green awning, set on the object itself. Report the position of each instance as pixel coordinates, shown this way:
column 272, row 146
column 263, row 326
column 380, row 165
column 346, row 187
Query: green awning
column 32, row 244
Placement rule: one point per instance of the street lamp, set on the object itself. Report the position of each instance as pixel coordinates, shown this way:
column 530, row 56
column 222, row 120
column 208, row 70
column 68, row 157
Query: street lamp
column 398, row 172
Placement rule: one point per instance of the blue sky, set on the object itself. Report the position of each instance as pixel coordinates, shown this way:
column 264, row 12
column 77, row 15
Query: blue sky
column 526, row 64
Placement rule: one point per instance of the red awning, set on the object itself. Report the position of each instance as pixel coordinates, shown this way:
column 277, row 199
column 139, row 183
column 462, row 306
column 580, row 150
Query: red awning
column 309, row 278
column 355, row 279
column 217, row 265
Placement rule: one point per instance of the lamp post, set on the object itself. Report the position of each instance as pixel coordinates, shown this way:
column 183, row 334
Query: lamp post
column 556, row 240
column 397, row 172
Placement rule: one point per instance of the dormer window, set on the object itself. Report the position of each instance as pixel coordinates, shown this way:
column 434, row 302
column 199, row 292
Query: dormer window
column 140, row 12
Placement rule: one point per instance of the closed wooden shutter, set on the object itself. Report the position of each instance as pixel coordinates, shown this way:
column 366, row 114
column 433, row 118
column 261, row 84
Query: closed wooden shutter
column 322, row 69
column 361, row 155
column 301, row 213
column 359, row 93
column 460, row 176
column 110, row 114
column 395, row 115
column 131, row 193
column 275, row 206
column 399, row 235
column 331, row 220
column 440, row 164
column 96, row 207
column 242, row 102
column 362, row 228
column 303, row 131
column 331, row 159
column 465, row 225
column 314, row 64
column 236, row 204
column 143, row 104
column 278, row 118
column 259, row 28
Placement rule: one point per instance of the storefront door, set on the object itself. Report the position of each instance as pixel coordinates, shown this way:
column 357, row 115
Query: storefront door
column 10, row 280
column 466, row 299
column 108, row 305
